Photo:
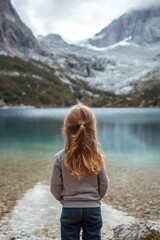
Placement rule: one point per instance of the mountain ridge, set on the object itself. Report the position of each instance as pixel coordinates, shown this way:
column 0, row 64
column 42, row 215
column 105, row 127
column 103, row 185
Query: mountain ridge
column 142, row 26
column 51, row 72
column 15, row 36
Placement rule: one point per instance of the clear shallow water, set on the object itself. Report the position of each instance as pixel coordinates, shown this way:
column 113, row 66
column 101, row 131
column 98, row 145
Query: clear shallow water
column 29, row 139
column 127, row 136
column 38, row 213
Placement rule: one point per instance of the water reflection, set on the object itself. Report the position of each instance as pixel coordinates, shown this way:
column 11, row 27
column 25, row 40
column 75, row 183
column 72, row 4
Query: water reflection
column 25, row 131
column 122, row 132
column 124, row 138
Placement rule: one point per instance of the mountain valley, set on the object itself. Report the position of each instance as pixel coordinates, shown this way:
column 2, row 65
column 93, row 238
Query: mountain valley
column 47, row 71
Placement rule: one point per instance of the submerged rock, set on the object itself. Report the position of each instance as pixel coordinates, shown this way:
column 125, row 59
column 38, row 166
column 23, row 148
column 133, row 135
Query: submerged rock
column 136, row 231
column 133, row 231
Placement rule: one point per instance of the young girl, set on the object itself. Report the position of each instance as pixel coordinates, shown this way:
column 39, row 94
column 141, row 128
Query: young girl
column 79, row 180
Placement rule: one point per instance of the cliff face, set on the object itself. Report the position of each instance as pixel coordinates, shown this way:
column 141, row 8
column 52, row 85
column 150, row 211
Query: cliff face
column 13, row 32
column 141, row 26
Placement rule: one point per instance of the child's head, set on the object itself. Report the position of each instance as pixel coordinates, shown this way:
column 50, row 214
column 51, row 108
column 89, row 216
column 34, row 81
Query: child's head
column 83, row 156
column 80, row 120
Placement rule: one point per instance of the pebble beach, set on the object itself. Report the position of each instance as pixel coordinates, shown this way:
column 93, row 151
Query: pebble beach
column 133, row 191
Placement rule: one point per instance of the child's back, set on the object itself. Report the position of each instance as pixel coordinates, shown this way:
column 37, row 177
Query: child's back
column 79, row 180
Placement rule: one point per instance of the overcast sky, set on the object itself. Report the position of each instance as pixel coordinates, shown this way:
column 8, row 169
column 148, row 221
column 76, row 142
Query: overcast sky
column 73, row 19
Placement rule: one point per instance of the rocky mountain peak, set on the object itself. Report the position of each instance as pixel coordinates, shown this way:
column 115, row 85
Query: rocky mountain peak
column 55, row 37
column 4, row 4
column 14, row 34
column 142, row 26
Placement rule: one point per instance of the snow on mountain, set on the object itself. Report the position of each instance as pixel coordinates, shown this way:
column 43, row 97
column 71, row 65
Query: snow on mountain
column 115, row 69
column 86, row 44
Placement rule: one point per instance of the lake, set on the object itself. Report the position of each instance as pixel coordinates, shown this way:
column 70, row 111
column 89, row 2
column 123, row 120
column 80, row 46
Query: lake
column 129, row 137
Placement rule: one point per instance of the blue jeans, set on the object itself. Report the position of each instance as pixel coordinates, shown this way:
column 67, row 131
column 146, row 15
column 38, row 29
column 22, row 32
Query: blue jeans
column 75, row 219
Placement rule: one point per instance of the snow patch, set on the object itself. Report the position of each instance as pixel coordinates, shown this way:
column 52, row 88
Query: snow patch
column 125, row 90
column 123, row 43
column 10, row 73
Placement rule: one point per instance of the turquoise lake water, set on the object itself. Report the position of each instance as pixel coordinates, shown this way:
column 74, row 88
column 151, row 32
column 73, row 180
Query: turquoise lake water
column 127, row 136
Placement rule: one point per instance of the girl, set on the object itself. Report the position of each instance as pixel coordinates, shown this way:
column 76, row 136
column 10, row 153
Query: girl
column 79, row 180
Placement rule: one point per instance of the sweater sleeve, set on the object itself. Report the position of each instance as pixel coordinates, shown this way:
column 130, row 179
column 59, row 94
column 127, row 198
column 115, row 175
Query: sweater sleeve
column 56, row 180
column 103, row 182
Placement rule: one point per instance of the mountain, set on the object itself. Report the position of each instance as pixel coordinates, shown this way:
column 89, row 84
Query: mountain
column 53, row 43
column 14, row 34
column 47, row 71
column 52, row 38
column 140, row 26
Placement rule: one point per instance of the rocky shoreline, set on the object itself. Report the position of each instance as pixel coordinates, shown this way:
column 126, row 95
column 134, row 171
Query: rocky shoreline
column 135, row 231
column 17, row 176
column 36, row 216
column 135, row 190
column 142, row 203
column 137, row 195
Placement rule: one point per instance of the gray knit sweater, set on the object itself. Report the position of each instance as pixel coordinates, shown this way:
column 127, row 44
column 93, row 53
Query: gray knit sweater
column 71, row 191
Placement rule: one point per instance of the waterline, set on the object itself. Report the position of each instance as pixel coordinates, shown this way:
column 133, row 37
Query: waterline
column 38, row 213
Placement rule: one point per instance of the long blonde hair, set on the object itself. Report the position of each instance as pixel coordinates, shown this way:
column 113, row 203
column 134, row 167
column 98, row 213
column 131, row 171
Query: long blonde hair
column 82, row 154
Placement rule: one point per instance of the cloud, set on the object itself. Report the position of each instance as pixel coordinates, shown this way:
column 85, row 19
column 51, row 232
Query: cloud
column 147, row 4
column 73, row 19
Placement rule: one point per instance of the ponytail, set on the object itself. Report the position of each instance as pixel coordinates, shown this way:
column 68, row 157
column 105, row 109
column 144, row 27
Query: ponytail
column 83, row 156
